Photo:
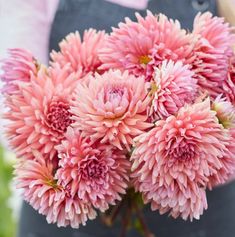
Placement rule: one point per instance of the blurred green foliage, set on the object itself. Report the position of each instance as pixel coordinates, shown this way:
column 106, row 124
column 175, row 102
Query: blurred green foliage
column 7, row 224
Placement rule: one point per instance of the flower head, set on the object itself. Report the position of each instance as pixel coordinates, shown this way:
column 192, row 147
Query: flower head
column 96, row 173
column 41, row 190
column 213, row 49
column 112, row 108
column 39, row 114
column 177, row 158
column 82, row 55
column 140, row 46
column 16, row 69
column 173, row 85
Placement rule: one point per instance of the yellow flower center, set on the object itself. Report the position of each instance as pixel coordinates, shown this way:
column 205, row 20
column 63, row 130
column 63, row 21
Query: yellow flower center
column 153, row 89
column 145, row 59
column 52, row 183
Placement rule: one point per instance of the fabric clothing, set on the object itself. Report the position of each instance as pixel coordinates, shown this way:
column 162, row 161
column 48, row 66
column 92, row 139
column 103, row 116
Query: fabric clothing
column 218, row 220
column 26, row 24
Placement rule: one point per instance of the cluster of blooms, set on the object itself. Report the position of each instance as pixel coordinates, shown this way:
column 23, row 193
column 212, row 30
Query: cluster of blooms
column 149, row 105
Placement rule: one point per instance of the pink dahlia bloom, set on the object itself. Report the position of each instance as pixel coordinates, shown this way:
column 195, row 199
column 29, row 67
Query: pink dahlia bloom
column 16, row 69
column 173, row 162
column 96, row 173
column 112, row 108
column 212, row 51
column 39, row 115
column 139, row 46
column 173, row 85
column 81, row 54
column 229, row 83
column 225, row 112
column 41, row 190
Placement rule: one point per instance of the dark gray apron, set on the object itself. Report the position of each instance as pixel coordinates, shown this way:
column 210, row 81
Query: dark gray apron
column 219, row 219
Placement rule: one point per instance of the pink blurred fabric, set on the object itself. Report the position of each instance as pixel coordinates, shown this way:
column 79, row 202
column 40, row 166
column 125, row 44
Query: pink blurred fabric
column 27, row 24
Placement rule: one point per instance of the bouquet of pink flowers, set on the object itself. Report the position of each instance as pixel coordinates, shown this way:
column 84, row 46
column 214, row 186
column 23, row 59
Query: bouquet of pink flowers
column 148, row 108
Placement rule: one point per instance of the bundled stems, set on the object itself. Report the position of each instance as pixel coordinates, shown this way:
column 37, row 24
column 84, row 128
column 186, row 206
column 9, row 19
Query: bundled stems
column 130, row 202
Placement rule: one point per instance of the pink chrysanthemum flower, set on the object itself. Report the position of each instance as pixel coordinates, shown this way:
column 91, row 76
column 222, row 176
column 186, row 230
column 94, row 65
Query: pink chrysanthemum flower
column 39, row 115
column 112, row 107
column 225, row 112
column 229, row 83
column 97, row 173
column 81, row 54
column 40, row 189
column 139, row 46
column 173, row 85
column 17, row 68
column 178, row 157
column 212, row 51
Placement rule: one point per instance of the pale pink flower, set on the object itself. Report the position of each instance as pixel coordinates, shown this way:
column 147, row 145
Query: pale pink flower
column 112, row 107
column 81, row 54
column 17, row 68
column 229, row 83
column 214, row 47
column 225, row 112
column 173, row 85
column 39, row 114
column 41, row 190
column 96, row 173
column 139, row 46
column 176, row 159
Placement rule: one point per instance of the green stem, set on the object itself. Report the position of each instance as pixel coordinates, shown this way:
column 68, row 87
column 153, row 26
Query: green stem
column 125, row 222
column 140, row 216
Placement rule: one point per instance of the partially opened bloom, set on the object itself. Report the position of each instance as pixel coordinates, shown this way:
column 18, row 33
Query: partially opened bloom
column 112, row 108
column 176, row 159
column 96, row 173
column 173, row 85
column 42, row 192
column 212, row 51
column 140, row 46
column 16, row 69
column 39, row 114
column 225, row 111
column 81, row 54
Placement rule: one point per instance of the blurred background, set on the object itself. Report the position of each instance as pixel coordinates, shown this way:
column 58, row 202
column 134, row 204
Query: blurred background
column 8, row 219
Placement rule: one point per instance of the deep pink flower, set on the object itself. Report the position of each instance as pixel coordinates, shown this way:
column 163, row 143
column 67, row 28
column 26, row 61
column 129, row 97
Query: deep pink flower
column 140, row 46
column 173, row 85
column 112, row 107
column 41, row 190
column 97, row 173
column 81, row 54
column 214, row 47
column 39, row 114
column 173, row 162
column 16, row 69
